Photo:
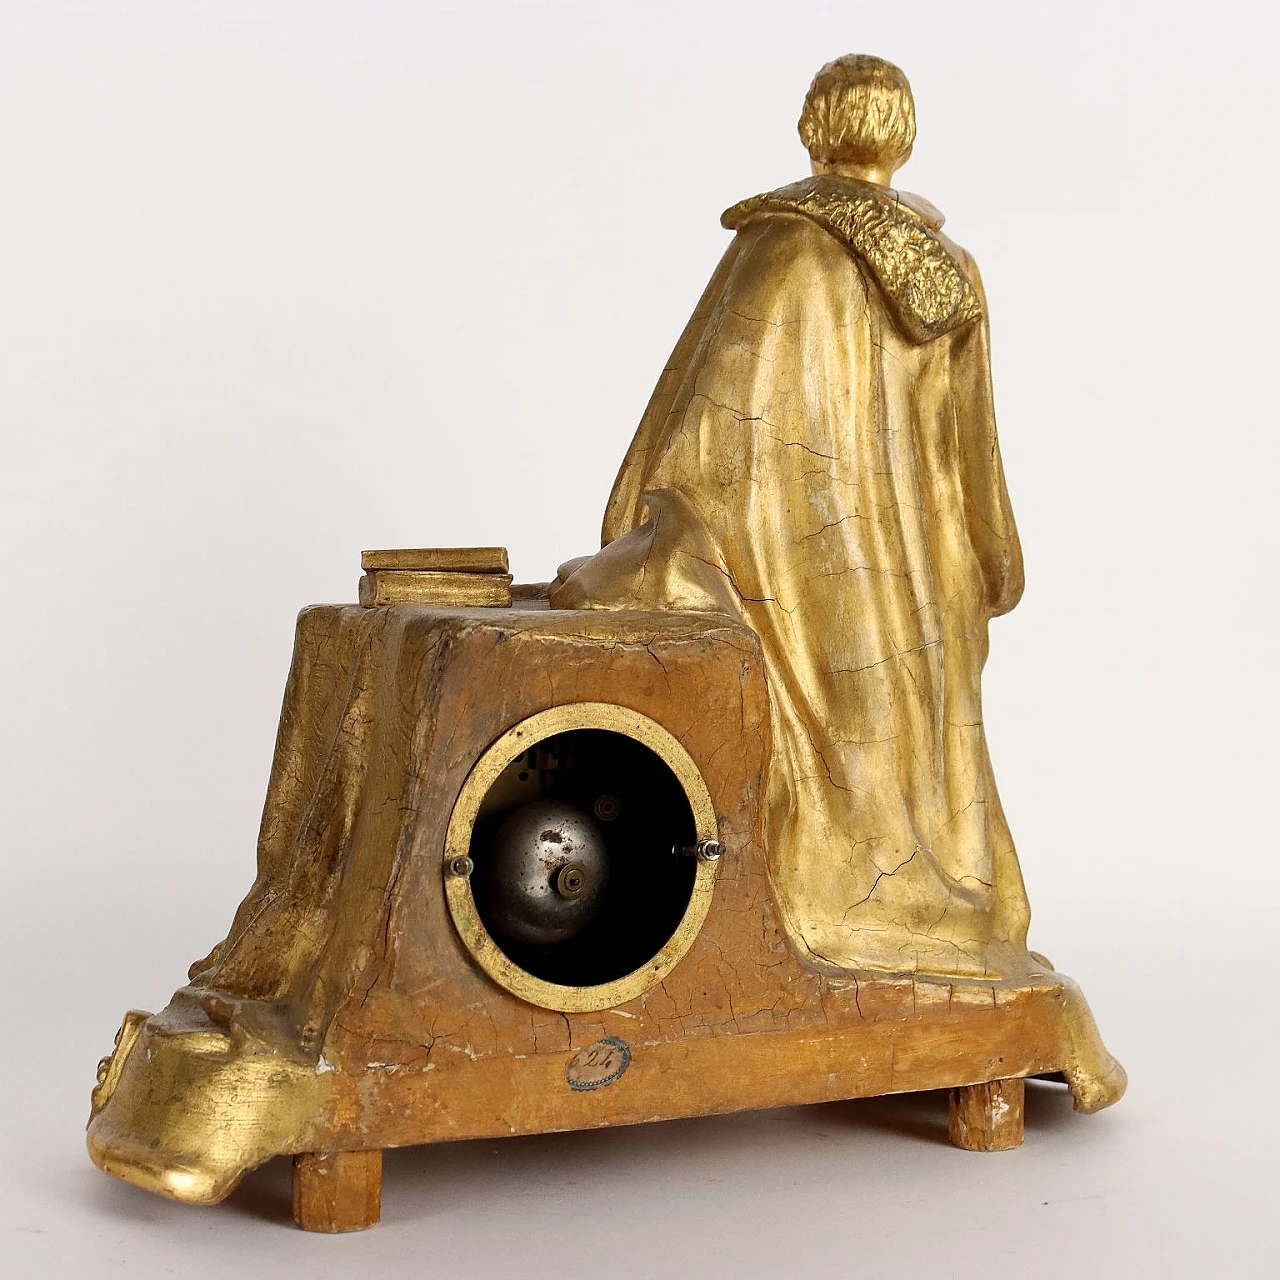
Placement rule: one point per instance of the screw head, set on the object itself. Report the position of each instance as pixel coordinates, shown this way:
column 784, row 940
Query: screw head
column 461, row 866
column 607, row 808
column 571, row 880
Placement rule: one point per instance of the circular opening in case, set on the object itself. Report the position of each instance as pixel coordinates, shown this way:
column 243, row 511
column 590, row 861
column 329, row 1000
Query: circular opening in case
column 569, row 862
column 576, row 878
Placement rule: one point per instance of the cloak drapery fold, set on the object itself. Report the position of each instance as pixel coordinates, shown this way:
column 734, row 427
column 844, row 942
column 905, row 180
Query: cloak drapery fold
column 820, row 460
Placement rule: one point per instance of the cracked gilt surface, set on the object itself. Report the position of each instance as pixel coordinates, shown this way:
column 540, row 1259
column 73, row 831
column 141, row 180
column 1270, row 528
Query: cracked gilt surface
column 804, row 548
column 343, row 1012
column 819, row 460
column 917, row 269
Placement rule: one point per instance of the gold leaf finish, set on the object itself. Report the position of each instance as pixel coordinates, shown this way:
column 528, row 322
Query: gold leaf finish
column 896, row 236
column 807, row 540
column 820, row 462
column 416, row 586
column 109, row 1068
column 439, row 559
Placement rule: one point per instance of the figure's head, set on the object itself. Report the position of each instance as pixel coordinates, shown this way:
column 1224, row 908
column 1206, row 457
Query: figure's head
column 859, row 117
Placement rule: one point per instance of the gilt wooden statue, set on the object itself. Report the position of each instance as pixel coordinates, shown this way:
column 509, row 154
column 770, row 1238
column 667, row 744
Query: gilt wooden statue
column 708, row 823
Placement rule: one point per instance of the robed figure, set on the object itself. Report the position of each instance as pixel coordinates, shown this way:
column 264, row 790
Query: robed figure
column 819, row 460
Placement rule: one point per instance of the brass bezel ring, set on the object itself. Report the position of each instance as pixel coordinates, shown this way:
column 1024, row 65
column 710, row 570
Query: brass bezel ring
column 462, row 906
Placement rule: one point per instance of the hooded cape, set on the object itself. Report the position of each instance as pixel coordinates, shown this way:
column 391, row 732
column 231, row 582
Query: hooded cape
column 819, row 459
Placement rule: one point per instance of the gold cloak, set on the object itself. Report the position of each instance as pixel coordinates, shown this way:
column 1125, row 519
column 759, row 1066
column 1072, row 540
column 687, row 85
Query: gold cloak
column 820, row 460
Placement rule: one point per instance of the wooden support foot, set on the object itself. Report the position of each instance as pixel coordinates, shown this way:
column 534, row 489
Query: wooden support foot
column 988, row 1117
column 337, row 1191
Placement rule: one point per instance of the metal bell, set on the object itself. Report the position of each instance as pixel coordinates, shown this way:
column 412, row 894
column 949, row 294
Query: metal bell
column 543, row 875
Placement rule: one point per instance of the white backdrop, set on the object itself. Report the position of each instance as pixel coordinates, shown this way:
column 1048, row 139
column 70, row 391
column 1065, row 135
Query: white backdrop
column 283, row 280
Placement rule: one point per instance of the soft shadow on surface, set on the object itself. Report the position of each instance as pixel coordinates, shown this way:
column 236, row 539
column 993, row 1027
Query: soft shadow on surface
column 439, row 1174
column 708, row 1147
column 1049, row 1107
column 429, row 1174
column 266, row 1193
column 117, row 1200
column 922, row 1117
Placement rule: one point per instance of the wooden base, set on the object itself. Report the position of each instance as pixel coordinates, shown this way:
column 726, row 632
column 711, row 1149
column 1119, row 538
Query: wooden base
column 337, row 1191
column 988, row 1117
column 388, row 711
column 342, row 1191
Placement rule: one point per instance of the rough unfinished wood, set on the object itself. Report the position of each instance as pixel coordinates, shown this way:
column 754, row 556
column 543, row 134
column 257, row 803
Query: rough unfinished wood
column 988, row 1117
column 337, row 1191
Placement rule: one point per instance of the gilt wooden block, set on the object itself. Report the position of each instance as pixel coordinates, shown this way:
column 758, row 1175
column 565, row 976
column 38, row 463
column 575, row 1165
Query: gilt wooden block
column 415, row 586
column 439, row 559
column 337, row 1191
column 988, row 1116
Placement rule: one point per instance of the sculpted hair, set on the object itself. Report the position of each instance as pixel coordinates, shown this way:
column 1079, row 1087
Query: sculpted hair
column 859, row 110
